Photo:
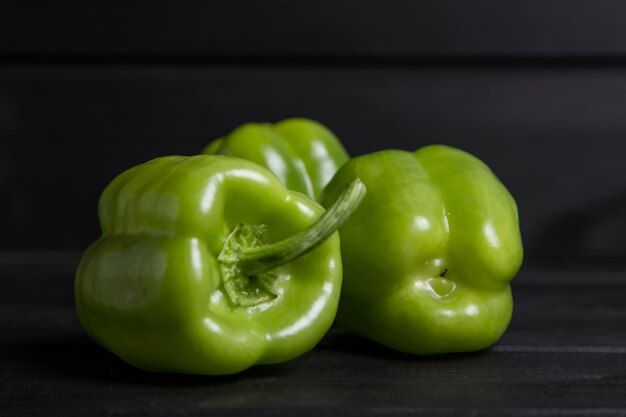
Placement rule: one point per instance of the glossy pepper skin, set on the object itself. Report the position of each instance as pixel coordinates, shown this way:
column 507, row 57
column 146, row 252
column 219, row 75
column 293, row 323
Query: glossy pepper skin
column 302, row 153
column 429, row 255
column 153, row 288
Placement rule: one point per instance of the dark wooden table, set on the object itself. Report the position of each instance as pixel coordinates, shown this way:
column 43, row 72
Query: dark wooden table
column 536, row 89
column 563, row 355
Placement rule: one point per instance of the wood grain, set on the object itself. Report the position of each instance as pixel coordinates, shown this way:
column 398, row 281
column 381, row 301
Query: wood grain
column 563, row 355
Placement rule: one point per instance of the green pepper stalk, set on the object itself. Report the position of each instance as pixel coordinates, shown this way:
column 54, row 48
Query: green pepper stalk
column 209, row 265
column 244, row 257
column 256, row 260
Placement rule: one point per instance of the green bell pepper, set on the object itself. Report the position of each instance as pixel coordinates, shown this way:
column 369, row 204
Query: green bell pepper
column 429, row 254
column 209, row 265
column 302, row 153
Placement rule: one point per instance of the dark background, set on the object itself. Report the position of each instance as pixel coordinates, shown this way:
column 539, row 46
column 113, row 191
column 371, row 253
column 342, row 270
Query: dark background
column 536, row 89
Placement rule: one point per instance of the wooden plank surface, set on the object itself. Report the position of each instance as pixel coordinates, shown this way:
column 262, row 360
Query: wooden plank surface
column 554, row 135
column 536, row 89
column 563, row 355
column 329, row 28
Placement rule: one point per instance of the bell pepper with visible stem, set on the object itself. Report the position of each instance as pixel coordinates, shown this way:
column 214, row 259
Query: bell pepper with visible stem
column 302, row 153
column 209, row 265
column 429, row 254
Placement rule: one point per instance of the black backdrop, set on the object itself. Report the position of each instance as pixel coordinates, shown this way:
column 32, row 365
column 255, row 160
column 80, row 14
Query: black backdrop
column 87, row 91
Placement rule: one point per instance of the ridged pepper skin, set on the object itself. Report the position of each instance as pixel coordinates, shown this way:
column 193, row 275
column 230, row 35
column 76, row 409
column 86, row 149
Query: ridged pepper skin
column 302, row 153
column 429, row 255
column 151, row 289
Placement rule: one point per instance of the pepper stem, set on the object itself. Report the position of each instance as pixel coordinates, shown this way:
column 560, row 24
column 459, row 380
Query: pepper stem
column 257, row 260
